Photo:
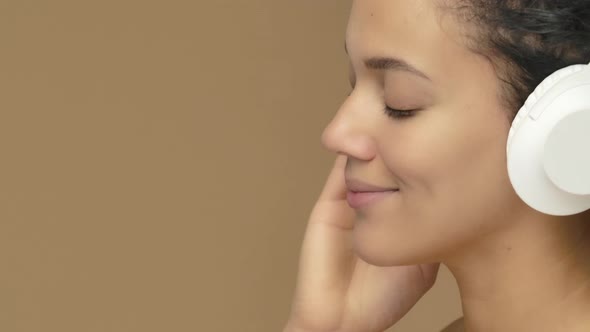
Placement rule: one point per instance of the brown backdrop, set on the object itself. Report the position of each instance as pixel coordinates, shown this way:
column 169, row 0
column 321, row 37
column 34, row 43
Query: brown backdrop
column 159, row 160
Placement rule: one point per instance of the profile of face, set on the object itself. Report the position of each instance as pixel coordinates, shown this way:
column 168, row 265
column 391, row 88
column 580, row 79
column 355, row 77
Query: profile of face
column 425, row 116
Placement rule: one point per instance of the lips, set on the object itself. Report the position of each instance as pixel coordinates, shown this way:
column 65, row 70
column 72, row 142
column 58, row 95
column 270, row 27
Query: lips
column 361, row 194
column 358, row 200
column 360, row 186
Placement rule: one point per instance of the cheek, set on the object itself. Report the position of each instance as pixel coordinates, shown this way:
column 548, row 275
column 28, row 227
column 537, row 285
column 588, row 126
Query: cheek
column 422, row 151
column 450, row 166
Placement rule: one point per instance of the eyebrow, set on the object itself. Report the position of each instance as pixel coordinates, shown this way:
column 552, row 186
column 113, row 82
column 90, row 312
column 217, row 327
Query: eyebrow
column 390, row 63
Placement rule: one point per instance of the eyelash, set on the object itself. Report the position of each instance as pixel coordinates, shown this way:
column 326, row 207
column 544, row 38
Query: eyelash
column 395, row 113
column 398, row 114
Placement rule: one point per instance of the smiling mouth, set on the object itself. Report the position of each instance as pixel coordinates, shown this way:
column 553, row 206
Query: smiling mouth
column 358, row 200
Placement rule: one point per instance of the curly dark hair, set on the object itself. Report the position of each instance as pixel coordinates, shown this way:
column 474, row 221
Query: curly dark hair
column 526, row 40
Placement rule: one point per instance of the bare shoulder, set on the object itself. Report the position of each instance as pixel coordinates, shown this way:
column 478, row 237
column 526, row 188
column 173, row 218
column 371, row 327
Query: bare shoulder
column 456, row 326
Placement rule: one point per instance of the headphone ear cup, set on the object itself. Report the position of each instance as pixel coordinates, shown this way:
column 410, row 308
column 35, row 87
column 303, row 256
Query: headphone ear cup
column 564, row 92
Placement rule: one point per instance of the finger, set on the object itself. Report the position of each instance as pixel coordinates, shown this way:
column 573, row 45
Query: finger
column 335, row 186
column 332, row 207
column 327, row 258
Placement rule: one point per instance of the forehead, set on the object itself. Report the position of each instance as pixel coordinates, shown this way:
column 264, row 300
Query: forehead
column 417, row 31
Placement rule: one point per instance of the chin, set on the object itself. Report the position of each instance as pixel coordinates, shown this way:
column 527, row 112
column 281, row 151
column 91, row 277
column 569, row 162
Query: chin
column 378, row 252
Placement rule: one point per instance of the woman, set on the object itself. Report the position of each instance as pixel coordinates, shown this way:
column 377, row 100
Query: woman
column 436, row 85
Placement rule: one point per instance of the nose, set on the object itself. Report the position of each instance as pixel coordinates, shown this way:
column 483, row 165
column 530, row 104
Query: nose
column 349, row 132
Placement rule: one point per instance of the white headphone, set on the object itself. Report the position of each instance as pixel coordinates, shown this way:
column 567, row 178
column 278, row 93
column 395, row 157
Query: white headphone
column 548, row 150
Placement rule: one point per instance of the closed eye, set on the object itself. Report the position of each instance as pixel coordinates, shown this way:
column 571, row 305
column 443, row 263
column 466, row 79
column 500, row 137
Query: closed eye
column 399, row 114
column 394, row 113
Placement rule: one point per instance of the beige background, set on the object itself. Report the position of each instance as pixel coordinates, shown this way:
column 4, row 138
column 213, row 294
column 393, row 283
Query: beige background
column 159, row 160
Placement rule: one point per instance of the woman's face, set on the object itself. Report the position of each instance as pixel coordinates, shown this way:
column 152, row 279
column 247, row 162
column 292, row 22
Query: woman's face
column 448, row 158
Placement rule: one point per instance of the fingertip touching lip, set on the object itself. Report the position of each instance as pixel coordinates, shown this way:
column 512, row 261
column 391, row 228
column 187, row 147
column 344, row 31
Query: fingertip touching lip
column 355, row 185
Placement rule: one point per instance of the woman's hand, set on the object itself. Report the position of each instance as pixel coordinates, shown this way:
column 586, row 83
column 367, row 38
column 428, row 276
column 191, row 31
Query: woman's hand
column 338, row 292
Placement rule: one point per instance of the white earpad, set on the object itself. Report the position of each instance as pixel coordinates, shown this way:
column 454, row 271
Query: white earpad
column 565, row 92
column 567, row 153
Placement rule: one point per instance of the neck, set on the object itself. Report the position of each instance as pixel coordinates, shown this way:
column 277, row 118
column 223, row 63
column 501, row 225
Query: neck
column 534, row 276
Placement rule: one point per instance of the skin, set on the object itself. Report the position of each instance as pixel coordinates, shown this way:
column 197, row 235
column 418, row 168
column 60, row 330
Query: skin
column 517, row 269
